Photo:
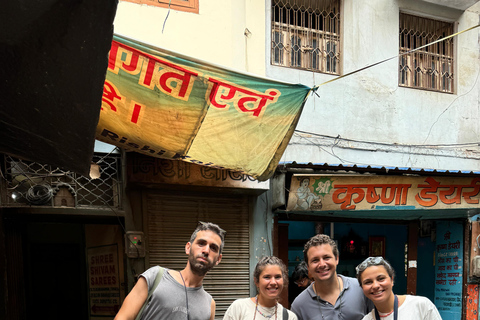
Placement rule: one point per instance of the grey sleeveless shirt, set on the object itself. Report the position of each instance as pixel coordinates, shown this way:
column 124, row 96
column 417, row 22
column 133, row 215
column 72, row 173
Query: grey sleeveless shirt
column 168, row 300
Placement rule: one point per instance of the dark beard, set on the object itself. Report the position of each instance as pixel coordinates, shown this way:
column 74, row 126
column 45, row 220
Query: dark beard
column 199, row 268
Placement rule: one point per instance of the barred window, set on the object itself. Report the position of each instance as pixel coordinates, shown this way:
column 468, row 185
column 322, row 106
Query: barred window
column 306, row 35
column 32, row 183
column 430, row 68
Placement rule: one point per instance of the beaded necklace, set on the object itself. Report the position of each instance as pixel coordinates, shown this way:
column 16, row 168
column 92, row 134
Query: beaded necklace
column 266, row 316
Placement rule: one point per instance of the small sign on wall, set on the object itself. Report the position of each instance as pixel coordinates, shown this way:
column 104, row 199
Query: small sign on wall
column 103, row 280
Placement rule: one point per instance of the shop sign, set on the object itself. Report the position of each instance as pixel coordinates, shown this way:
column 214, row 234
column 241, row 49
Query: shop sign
column 103, row 280
column 143, row 169
column 449, row 269
column 354, row 192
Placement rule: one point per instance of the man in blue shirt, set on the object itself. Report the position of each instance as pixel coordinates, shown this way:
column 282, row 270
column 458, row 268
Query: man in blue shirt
column 330, row 296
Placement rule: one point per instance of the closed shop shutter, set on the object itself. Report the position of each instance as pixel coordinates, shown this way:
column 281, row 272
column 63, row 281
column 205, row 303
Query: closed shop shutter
column 170, row 221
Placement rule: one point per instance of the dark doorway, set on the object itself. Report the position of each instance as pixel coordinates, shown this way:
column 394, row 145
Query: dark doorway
column 55, row 272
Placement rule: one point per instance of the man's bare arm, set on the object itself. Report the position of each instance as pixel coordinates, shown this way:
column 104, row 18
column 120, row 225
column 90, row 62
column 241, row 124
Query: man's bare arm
column 212, row 313
column 133, row 301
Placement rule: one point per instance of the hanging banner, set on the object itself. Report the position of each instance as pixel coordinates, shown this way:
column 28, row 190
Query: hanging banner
column 173, row 107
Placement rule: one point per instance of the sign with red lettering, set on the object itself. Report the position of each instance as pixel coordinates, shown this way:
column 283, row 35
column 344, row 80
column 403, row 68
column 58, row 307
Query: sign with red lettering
column 355, row 192
column 168, row 106
column 103, row 280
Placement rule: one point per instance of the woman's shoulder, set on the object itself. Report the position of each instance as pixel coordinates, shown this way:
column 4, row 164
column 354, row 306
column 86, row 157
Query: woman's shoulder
column 243, row 301
column 419, row 301
column 291, row 314
column 370, row 315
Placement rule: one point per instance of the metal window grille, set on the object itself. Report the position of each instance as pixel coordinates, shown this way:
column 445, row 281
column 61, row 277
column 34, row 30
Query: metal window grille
column 306, row 35
column 30, row 183
column 430, row 68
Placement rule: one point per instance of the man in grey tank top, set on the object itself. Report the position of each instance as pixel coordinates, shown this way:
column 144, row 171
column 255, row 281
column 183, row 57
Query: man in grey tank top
column 180, row 294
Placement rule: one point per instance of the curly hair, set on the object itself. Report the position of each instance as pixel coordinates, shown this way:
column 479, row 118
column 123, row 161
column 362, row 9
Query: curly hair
column 318, row 240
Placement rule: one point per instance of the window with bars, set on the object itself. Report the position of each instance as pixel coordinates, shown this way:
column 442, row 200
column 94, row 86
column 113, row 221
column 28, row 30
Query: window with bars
column 31, row 183
column 306, row 35
column 430, row 68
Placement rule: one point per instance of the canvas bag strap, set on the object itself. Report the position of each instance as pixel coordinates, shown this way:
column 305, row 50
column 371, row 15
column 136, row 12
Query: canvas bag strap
column 285, row 314
column 158, row 277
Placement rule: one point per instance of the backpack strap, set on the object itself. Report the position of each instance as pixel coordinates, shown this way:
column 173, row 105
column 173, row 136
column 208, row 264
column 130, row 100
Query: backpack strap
column 158, row 277
column 285, row 314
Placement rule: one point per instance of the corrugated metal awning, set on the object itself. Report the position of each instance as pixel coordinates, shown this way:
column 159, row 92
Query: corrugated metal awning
column 360, row 168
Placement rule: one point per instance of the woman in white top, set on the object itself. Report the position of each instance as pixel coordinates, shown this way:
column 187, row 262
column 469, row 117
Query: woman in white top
column 376, row 276
column 271, row 277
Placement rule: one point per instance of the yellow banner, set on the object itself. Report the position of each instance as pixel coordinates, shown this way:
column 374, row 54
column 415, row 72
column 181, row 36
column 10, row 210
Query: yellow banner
column 173, row 107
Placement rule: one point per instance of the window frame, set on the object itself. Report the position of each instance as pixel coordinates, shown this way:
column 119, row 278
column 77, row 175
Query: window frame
column 309, row 57
column 426, row 69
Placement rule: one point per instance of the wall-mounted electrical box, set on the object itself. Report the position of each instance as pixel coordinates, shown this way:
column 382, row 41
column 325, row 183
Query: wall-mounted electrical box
column 134, row 244
column 476, row 266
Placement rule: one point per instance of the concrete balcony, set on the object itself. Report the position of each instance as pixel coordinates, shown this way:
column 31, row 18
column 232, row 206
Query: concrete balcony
column 454, row 4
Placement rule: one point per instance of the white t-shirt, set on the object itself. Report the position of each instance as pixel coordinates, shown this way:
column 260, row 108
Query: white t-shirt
column 244, row 309
column 413, row 308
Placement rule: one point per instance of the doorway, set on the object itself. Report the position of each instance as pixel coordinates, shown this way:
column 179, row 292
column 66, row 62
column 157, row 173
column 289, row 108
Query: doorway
column 55, row 274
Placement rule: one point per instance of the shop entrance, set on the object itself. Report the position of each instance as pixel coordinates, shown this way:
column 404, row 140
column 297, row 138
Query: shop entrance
column 63, row 269
column 55, row 271
column 357, row 241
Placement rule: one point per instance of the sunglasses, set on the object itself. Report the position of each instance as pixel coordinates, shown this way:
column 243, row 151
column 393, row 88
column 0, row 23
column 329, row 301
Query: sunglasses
column 371, row 261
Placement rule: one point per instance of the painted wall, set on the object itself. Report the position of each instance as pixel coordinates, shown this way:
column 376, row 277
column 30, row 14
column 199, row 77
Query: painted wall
column 261, row 226
column 369, row 106
column 225, row 32
column 387, row 123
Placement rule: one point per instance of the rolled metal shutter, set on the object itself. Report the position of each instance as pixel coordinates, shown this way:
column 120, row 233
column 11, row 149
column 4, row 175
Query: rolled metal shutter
column 170, row 221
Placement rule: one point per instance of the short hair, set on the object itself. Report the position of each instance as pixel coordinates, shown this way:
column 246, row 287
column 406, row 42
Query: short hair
column 273, row 261
column 374, row 261
column 300, row 272
column 204, row 226
column 318, row 240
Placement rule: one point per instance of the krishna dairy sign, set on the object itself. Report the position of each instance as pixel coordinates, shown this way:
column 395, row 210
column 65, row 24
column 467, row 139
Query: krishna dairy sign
column 352, row 192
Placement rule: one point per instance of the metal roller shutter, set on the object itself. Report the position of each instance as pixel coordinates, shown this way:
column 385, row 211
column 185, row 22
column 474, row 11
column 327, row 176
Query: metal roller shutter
column 170, row 221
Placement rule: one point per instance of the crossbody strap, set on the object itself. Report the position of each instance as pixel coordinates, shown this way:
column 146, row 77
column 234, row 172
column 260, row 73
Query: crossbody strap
column 285, row 314
column 158, row 277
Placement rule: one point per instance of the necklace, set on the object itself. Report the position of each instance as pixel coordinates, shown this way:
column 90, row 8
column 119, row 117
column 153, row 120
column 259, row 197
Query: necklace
column 186, row 296
column 395, row 310
column 266, row 316
column 384, row 315
column 339, row 303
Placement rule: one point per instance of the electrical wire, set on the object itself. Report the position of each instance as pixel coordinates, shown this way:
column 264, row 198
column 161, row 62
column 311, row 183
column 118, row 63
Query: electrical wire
column 39, row 194
column 448, row 145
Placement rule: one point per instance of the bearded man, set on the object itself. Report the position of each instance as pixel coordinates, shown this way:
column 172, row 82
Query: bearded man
column 179, row 295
